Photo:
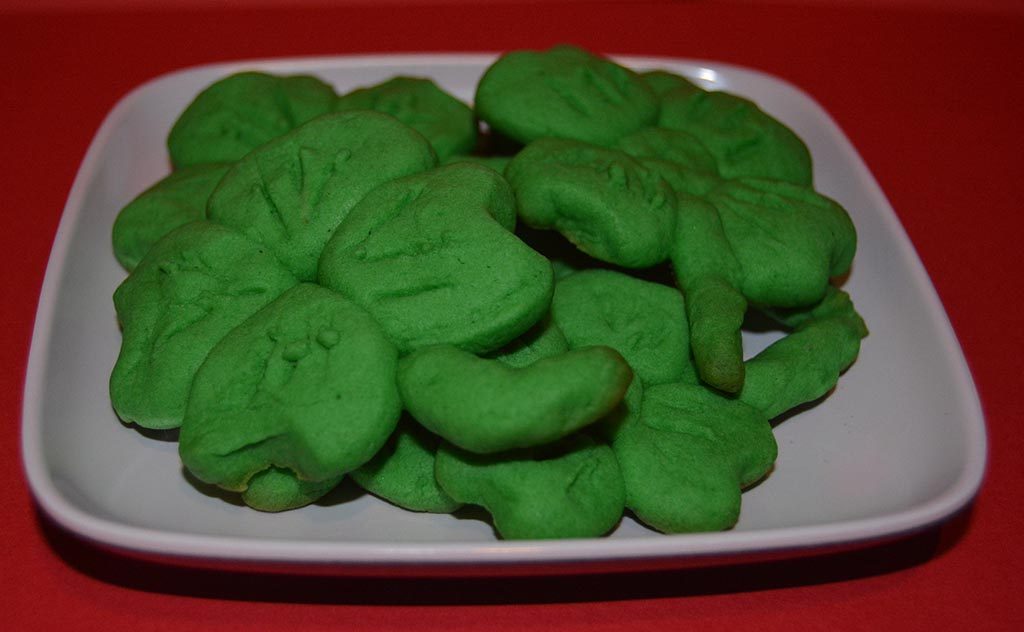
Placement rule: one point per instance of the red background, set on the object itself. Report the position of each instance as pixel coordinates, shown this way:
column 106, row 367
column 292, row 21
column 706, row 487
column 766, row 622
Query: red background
column 930, row 93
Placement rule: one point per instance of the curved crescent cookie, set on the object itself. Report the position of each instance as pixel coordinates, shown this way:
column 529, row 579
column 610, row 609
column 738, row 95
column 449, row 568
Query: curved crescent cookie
column 805, row 364
column 486, row 406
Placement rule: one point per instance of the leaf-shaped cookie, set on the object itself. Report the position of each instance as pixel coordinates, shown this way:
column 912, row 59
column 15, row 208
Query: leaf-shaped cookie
column 564, row 92
column 787, row 239
column 176, row 200
column 642, row 320
column 678, row 157
column 746, row 141
column 402, row 472
column 449, row 124
column 192, row 287
column 686, row 458
column 662, row 82
column 306, row 384
column 277, row 489
column 240, row 112
column 608, row 204
column 431, row 256
column 292, row 193
column 498, row 163
column 570, row 489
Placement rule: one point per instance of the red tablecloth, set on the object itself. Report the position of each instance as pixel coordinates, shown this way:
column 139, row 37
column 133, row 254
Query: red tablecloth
column 931, row 96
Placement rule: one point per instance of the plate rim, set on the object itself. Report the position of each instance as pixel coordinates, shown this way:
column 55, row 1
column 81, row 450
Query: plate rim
column 144, row 540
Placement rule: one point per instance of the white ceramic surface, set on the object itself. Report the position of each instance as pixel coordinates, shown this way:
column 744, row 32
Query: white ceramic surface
column 899, row 445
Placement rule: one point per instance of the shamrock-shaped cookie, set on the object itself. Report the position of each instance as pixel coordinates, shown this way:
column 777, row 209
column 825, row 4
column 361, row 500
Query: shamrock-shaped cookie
column 687, row 456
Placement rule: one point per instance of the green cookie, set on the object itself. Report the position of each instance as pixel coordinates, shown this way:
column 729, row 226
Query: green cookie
column 486, row 406
column 192, row 287
column 788, row 240
column 292, row 193
column 176, row 200
column 571, row 489
column 276, row 489
column 402, row 472
column 608, row 204
column 449, row 124
column 745, row 140
column 306, row 384
column 767, row 242
column 662, row 82
column 642, row 320
column 239, row 113
column 498, row 163
column 564, row 92
column 805, row 364
column 685, row 460
column 628, row 411
column 682, row 160
column 433, row 258
column 543, row 340
column 707, row 271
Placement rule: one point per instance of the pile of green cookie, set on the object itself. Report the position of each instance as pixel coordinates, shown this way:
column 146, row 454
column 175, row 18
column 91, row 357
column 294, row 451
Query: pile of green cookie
column 542, row 319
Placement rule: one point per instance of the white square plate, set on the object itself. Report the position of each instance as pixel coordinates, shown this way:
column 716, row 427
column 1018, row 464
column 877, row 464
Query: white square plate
column 898, row 446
